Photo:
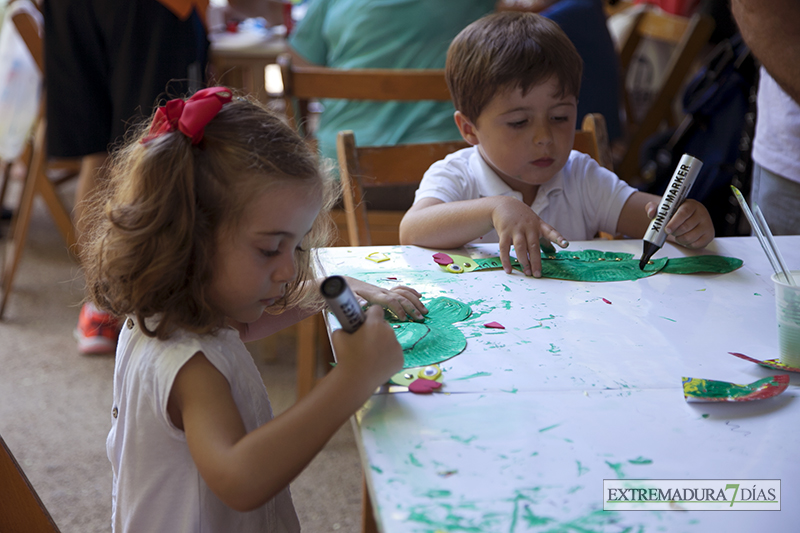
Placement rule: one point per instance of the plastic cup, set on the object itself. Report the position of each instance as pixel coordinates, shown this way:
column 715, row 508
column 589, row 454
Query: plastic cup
column 787, row 307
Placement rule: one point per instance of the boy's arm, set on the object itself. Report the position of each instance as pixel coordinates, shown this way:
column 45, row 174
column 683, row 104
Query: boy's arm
column 245, row 470
column 435, row 224
column 691, row 225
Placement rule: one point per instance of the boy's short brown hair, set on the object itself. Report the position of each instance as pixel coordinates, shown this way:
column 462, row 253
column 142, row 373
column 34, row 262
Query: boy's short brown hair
column 505, row 51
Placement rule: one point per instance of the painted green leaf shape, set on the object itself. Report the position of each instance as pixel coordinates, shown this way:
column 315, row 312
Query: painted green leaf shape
column 596, row 265
column 436, row 339
column 703, row 263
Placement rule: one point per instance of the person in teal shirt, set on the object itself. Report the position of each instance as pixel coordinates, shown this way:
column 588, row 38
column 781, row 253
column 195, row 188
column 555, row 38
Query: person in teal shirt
column 348, row 34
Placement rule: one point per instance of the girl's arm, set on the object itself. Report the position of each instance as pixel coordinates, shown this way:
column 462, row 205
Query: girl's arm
column 245, row 470
column 401, row 300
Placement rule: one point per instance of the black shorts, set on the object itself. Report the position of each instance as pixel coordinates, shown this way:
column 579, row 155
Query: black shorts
column 108, row 63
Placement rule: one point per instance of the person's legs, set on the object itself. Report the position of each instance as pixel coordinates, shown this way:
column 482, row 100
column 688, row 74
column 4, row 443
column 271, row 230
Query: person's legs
column 92, row 172
column 779, row 199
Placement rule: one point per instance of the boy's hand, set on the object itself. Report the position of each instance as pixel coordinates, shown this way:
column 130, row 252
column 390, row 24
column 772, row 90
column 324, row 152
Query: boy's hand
column 401, row 300
column 516, row 224
column 690, row 226
column 371, row 355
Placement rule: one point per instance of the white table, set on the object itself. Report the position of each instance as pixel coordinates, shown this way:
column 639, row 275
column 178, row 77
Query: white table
column 575, row 390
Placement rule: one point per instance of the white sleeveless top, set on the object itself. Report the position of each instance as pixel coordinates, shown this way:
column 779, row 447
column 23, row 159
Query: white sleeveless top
column 156, row 485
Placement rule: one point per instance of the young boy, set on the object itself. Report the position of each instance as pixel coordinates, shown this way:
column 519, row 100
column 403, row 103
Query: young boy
column 514, row 78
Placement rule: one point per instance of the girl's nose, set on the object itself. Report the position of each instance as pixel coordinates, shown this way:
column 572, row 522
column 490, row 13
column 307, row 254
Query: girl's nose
column 286, row 270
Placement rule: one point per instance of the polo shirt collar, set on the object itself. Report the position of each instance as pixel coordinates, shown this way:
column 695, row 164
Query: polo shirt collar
column 493, row 185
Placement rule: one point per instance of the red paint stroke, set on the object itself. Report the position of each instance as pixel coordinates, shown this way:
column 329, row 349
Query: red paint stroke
column 769, row 363
column 392, row 278
column 442, row 259
column 423, row 386
column 494, row 325
column 606, row 301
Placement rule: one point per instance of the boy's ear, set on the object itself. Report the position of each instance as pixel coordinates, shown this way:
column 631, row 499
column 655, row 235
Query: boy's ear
column 467, row 128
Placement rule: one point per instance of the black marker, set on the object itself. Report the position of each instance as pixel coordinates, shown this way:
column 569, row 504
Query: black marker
column 343, row 303
column 682, row 180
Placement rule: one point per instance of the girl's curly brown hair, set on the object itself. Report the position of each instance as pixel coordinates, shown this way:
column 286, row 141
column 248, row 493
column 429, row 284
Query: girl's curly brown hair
column 155, row 224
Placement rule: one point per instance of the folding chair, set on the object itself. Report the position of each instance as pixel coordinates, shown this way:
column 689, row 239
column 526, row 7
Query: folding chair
column 37, row 180
column 688, row 36
column 21, row 510
column 369, row 167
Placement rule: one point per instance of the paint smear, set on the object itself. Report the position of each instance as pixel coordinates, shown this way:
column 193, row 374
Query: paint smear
column 606, row 301
column 475, row 375
column 665, row 318
column 548, row 428
column 640, row 461
column 617, row 468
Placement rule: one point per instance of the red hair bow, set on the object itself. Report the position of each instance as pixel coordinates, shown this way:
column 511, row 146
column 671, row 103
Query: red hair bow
column 191, row 116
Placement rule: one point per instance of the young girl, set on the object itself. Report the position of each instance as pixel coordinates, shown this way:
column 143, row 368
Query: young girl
column 203, row 239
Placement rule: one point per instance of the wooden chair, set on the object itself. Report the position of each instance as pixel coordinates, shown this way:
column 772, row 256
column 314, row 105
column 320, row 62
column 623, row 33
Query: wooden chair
column 302, row 84
column 688, row 36
column 37, row 180
column 368, row 167
column 21, row 510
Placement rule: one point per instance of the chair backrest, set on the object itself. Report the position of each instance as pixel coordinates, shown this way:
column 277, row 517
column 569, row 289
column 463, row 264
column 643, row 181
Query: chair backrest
column 303, row 83
column 687, row 36
column 364, row 167
column 21, row 510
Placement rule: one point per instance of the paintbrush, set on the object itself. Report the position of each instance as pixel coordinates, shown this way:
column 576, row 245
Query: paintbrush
column 757, row 230
column 774, row 247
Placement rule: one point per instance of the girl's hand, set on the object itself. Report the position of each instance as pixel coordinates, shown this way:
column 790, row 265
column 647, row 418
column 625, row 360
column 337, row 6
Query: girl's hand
column 371, row 355
column 401, row 300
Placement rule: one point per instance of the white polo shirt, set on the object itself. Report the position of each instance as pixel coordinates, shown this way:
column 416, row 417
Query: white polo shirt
column 582, row 199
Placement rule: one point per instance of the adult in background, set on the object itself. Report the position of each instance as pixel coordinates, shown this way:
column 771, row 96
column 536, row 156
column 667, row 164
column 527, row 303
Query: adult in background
column 404, row 34
column 108, row 63
column 770, row 29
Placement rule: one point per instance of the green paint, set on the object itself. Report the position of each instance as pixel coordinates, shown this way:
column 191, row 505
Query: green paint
column 554, row 348
column 437, row 493
column 548, row 428
column 462, row 439
column 640, row 461
column 705, row 415
column 414, row 461
column 574, row 489
column 475, row 375
column 595, row 265
column 506, row 287
column 581, row 469
column 756, row 294
column 617, row 468
column 506, row 304
column 534, row 521
column 665, row 318
column 702, row 263
column 512, row 391
column 376, row 469
column 436, row 339
column 723, row 390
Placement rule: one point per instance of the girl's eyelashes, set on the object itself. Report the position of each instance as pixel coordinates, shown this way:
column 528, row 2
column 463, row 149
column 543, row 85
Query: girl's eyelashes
column 269, row 253
column 518, row 123
column 559, row 119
